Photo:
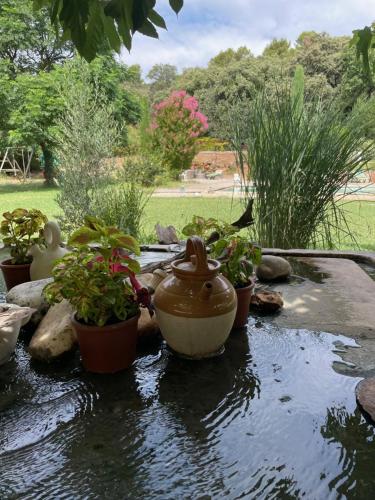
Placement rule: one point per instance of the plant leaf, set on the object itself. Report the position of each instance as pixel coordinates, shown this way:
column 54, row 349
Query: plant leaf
column 176, row 5
column 83, row 236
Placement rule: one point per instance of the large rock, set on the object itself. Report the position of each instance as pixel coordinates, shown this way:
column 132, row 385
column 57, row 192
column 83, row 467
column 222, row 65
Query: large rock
column 166, row 235
column 273, row 268
column 266, row 302
column 54, row 335
column 365, row 393
column 12, row 318
column 30, row 295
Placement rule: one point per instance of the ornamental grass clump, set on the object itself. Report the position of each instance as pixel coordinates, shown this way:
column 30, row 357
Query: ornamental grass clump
column 175, row 125
column 98, row 276
column 299, row 158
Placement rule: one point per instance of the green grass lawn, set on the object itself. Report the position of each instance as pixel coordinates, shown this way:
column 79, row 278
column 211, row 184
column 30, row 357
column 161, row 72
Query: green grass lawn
column 178, row 211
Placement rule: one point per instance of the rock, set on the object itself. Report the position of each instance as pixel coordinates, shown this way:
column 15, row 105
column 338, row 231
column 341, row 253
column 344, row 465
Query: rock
column 55, row 334
column 147, row 326
column 30, row 295
column 273, row 268
column 12, row 318
column 266, row 302
column 365, row 394
column 166, row 235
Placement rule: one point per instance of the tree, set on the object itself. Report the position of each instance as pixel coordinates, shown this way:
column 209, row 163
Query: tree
column 162, row 77
column 28, row 43
column 279, row 48
column 229, row 56
column 176, row 123
column 320, row 53
column 117, row 82
column 92, row 24
column 220, row 87
column 86, row 133
column 35, row 107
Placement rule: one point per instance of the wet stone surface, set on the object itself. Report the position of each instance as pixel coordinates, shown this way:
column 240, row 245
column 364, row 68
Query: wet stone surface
column 269, row 418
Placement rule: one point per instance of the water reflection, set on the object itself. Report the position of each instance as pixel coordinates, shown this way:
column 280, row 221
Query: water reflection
column 268, row 419
column 354, row 441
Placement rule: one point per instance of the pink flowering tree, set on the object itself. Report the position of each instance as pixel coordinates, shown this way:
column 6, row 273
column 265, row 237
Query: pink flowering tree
column 176, row 123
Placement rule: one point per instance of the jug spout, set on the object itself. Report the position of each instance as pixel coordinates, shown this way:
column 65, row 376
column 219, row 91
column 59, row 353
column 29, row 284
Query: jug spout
column 206, row 290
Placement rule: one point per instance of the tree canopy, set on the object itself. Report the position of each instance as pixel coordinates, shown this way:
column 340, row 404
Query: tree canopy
column 28, row 42
column 90, row 24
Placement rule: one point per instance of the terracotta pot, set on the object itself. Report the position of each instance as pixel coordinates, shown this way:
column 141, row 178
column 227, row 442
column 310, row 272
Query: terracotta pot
column 372, row 176
column 243, row 305
column 14, row 274
column 195, row 306
column 107, row 349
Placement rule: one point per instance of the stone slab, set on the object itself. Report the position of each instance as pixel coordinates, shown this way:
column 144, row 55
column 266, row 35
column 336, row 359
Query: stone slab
column 342, row 303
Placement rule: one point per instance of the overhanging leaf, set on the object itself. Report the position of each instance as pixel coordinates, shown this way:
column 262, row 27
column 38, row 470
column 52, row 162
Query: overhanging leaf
column 176, row 5
column 156, row 19
column 148, row 29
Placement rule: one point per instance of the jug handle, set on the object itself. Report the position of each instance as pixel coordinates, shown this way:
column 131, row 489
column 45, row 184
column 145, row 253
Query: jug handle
column 196, row 247
column 52, row 234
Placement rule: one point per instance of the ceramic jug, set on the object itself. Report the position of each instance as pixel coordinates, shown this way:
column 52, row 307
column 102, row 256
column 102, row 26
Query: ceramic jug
column 43, row 260
column 196, row 305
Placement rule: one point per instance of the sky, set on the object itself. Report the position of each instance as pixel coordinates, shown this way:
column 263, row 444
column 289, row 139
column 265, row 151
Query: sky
column 205, row 27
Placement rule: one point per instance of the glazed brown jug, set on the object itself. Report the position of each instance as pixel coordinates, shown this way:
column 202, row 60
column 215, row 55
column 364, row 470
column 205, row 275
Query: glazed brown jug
column 196, row 305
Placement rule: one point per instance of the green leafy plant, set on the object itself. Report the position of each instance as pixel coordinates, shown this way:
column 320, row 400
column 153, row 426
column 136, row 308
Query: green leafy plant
column 92, row 24
column 204, row 228
column 20, row 230
column 236, row 254
column 98, row 276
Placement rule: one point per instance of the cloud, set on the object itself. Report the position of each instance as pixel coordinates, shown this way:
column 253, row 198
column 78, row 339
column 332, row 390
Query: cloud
column 205, row 27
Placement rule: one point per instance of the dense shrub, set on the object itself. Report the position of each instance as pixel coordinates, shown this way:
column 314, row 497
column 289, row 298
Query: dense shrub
column 122, row 205
column 212, row 144
column 176, row 123
column 145, row 170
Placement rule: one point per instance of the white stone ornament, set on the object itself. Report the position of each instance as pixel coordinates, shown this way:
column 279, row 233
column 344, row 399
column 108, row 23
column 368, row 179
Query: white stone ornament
column 12, row 318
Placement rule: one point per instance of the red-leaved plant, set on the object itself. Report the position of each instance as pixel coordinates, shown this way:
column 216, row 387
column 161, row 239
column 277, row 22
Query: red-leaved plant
column 98, row 276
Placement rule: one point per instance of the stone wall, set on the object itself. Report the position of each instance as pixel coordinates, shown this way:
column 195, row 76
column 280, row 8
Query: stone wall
column 218, row 159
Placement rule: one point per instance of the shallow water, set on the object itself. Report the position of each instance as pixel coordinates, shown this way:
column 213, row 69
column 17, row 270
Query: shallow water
column 271, row 418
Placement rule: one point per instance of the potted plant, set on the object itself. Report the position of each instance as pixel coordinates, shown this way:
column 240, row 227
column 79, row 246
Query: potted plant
column 98, row 279
column 20, row 230
column 237, row 256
